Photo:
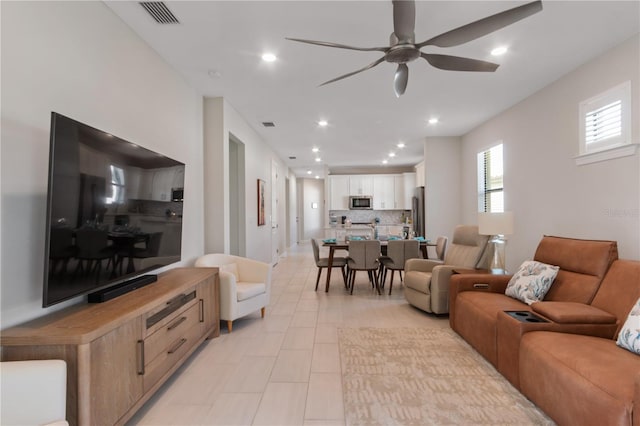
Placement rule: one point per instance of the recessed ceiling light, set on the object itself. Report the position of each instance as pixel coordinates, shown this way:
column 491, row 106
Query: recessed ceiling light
column 499, row 51
column 400, row 145
column 323, row 123
column 318, row 159
column 392, row 154
column 315, row 149
column 269, row 57
column 385, row 161
column 433, row 120
column 308, row 172
column 317, row 177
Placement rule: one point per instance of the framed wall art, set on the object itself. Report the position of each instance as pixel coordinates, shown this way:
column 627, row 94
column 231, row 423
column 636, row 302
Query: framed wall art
column 261, row 205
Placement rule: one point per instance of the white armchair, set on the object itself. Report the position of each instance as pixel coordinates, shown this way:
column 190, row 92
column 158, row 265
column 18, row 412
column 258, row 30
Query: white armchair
column 33, row 392
column 245, row 285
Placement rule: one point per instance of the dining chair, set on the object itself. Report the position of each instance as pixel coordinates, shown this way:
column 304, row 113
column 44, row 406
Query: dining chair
column 323, row 262
column 93, row 246
column 398, row 252
column 364, row 256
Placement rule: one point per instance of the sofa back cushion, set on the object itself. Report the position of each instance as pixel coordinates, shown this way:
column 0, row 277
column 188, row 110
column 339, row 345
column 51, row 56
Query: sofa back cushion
column 583, row 264
column 619, row 290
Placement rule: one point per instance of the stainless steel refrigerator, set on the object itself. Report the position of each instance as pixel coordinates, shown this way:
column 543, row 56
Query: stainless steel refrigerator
column 417, row 211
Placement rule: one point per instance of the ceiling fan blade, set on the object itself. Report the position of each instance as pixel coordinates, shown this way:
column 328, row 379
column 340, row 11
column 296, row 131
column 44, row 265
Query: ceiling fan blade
column 371, row 65
column 456, row 63
column 341, row 46
column 401, row 79
column 483, row 26
column 404, row 20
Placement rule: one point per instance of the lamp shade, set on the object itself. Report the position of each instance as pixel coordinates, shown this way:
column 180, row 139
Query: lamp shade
column 495, row 223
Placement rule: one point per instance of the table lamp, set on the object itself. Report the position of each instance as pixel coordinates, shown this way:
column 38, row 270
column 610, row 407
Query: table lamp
column 497, row 225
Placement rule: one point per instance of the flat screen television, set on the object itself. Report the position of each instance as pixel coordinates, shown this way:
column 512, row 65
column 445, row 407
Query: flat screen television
column 112, row 212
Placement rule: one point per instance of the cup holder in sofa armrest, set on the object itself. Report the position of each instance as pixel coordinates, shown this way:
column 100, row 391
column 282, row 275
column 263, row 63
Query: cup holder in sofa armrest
column 525, row 316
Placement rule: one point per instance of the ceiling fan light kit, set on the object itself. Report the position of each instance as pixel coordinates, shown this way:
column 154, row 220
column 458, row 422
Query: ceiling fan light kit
column 403, row 49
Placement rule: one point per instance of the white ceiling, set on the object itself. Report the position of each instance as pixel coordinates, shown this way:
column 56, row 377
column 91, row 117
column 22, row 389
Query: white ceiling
column 366, row 120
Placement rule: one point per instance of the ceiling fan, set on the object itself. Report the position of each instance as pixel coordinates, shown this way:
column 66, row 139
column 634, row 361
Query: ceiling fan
column 403, row 47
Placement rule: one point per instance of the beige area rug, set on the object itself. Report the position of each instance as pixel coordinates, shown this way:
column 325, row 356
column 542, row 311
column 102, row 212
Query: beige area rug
column 425, row 376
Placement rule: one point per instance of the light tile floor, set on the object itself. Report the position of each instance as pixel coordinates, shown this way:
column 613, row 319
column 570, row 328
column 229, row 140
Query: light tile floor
column 283, row 369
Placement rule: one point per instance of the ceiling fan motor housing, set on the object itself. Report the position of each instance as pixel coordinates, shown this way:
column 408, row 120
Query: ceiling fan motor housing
column 402, row 53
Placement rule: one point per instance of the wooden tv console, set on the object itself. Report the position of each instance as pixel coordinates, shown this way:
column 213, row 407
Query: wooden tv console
column 120, row 352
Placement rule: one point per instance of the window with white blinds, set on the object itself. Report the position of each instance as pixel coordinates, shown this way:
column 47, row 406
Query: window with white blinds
column 605, row 120
column 490, row 180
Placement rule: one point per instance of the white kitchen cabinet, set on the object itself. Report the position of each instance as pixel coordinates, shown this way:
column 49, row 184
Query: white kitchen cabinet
column 398, row 193
column 383, row 192
column 360, row 185
column 338, row 192
column 409, row 186
column 156, row 184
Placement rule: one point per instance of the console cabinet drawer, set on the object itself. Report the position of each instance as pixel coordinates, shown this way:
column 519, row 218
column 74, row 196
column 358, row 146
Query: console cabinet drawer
column 176, row 327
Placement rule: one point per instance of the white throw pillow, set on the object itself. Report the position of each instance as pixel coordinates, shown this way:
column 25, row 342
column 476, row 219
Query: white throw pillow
column 532, row 281
column 231, row 268
column 629, row 337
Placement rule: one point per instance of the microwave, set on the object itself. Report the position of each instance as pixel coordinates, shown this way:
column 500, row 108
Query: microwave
column 177, row 194
column 361, row 202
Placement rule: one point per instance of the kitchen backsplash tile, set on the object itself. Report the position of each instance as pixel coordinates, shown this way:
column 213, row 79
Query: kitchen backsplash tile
column 387, row 217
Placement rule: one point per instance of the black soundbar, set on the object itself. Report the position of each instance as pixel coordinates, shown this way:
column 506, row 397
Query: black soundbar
column 122, row 288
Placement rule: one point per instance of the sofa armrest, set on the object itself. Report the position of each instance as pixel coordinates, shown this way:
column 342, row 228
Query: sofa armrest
column 572, row 313
column 420, row 265
column 474, row 282
column 228, row 295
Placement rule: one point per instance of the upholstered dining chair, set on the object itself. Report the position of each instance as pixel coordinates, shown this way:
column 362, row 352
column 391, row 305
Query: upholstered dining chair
column 323, row 262
column 398, row 252
column 364, row 256
column 426, row 281
column 245, row 285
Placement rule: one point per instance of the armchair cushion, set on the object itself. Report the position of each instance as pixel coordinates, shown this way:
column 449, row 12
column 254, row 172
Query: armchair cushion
column 629, row 337
column 532, row 281
column 248, row 290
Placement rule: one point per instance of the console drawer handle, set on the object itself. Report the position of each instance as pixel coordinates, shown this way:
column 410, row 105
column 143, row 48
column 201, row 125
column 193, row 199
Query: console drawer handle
column 177, row 346
column 481, row 286
column 141, row 357
column 176, row 323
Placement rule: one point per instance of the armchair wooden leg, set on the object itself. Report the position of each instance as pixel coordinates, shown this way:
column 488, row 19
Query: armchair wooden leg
column 262, row 311
column 229, row 326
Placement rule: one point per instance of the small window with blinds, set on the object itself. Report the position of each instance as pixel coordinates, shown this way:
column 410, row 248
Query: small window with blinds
column 490, row 180
column 605, row 120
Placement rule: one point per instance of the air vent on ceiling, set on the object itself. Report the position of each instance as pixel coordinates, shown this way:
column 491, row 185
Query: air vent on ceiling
column 268, row 124
column 160, row 12
column 292, row 157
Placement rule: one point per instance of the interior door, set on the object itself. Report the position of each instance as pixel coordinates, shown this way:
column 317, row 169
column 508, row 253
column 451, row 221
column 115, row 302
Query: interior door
column 275, row 184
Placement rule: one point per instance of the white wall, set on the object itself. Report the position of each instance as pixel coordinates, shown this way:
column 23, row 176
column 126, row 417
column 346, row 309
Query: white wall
column 220, row 120
column 544, row 188
column 442, row 185
column 79, row 59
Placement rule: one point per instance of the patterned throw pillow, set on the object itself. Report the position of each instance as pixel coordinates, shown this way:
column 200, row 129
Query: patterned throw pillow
column 629, row 337
column 532, row 281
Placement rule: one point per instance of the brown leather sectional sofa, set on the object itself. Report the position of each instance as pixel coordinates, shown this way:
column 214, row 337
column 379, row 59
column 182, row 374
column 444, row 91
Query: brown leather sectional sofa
column 560, row 353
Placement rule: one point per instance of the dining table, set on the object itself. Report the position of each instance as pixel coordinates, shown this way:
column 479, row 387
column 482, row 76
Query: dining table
column 344, row 245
